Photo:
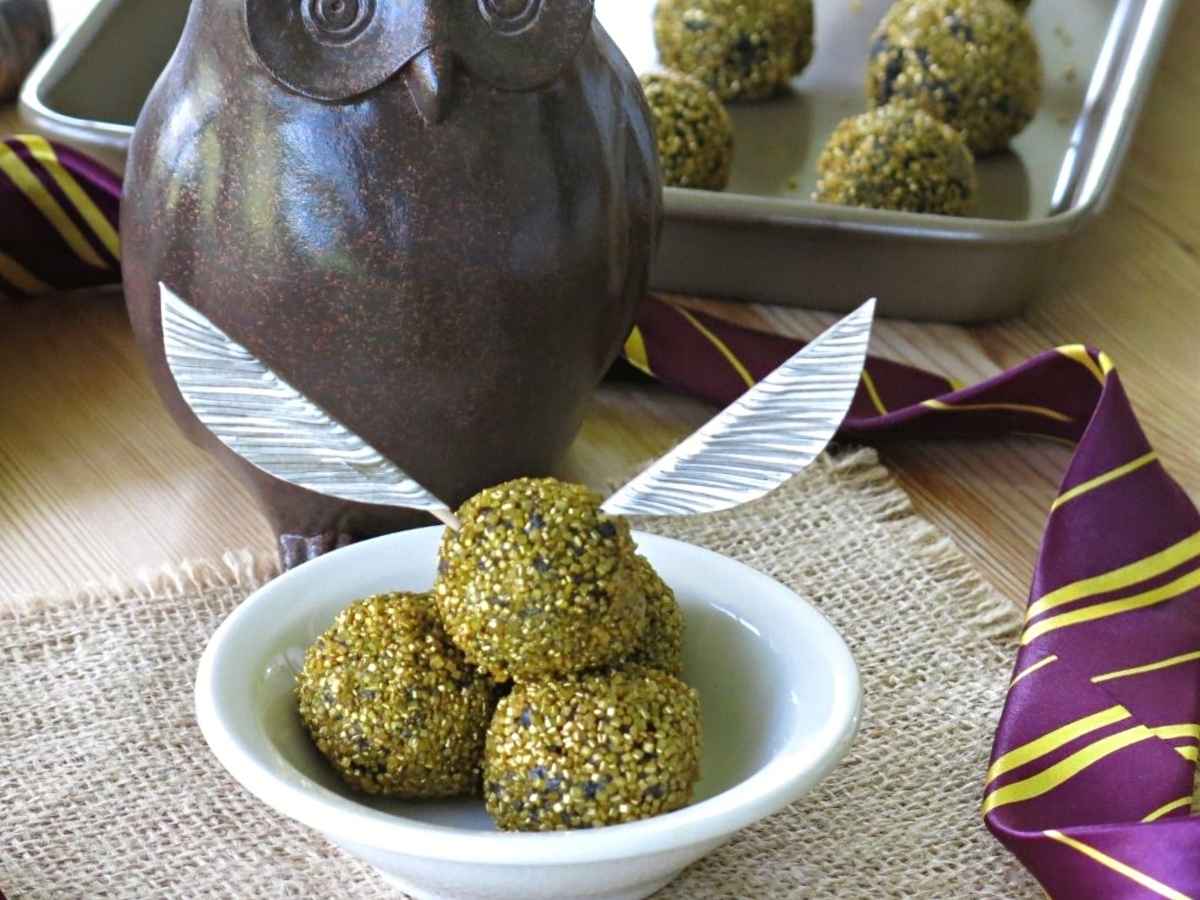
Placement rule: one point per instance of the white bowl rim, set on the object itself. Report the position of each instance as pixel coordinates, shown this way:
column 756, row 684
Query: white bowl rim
column 782, row 780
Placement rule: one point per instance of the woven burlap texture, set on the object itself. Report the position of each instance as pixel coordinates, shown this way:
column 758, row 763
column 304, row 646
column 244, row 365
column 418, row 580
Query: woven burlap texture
column 108, row 790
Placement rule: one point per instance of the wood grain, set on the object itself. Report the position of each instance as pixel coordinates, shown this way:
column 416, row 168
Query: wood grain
column 95, row 483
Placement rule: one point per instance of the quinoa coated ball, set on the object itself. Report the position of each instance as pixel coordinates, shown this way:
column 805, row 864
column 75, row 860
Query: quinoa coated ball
column 392, row 704
column 538, row 581
column 897, row 157
column 695, row 135
column 661, row 646
column 742, row 49
column 804, row 45
column 974, row 64
column 592, row 750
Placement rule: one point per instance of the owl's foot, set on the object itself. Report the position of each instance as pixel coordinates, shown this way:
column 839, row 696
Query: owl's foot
column 295, row 549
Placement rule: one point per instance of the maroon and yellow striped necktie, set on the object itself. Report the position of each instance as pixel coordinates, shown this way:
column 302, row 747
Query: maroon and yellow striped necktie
column 1091, row 782
column 58, row 219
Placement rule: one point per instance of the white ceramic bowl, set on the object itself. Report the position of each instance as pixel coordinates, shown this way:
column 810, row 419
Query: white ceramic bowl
column 779, row 693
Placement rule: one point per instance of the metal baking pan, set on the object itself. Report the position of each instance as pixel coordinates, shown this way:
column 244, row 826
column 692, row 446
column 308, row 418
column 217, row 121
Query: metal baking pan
column 763, row 239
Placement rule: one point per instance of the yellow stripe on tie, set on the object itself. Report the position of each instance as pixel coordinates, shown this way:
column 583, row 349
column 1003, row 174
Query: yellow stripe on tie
column 1183, row 730
column 1113, row 607
column 1168, row 808
column 1054, row 414
column 96, row 220
column 21, row 175
column 1148, row 667
column 1025, row 673
column 1051, row 741
column 1150, row 884
column 1100, row 480
column 635, row 351
column 1106, row 364
column 1141, row 570
column 1059, row 773
column 1079, row 353
column 719, row 344
column 20, row 277
column 1192, row 754
column 873, row 393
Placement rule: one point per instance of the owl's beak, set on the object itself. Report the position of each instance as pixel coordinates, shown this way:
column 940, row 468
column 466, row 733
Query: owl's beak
column 430, row 78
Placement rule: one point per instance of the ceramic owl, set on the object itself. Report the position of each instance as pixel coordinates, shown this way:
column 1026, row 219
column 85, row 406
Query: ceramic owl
column 434, row 218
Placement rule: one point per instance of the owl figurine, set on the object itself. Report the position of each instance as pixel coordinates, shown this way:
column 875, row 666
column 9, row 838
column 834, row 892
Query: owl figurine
column 434, row 218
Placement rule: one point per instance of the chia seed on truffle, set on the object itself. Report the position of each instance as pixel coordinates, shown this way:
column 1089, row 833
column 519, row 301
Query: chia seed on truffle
column 538, row 582
column 661, row 646
column 897, row 157
column 742, row 49
column 592, row 750
column 695, row 135
column 392, row 704
column 974, row 64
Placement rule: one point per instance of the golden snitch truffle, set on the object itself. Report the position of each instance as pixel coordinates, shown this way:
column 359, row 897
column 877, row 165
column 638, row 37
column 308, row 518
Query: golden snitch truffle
column 974, row 64
column 694, row 132
column 661, row 646
column 742, row 49
column 592, row 750
column 897, row 157
column 803, row 53
column 538, row 581
column 392, row 704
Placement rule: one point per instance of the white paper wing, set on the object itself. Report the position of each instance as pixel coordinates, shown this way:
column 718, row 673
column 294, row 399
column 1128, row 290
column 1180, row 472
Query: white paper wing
column 764, row 438
column 267, row 422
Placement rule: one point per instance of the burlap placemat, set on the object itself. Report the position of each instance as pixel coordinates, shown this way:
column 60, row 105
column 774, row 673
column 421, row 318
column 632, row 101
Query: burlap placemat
column 108, row 790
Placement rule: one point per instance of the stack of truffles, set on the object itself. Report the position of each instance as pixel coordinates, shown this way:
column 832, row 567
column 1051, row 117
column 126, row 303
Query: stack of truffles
column 947, row 81
column 543, row 670
column 717, row 52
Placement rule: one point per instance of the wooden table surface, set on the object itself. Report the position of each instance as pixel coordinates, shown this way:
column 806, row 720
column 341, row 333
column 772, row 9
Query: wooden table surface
column 95, row 483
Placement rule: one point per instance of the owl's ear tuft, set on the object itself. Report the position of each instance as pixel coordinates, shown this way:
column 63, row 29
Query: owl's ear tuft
column 520, row 45
column 334, row 50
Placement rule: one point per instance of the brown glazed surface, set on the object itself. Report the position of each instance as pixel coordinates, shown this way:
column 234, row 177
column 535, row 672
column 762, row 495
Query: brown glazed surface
column 446, row 267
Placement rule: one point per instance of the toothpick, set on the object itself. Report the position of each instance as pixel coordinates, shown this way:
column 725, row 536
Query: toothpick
column 448, row 518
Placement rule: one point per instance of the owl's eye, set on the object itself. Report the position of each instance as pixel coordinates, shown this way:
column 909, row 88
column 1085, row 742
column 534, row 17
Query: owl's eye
column 338, row 20
column 509, row 16
column 519, row 45
column 335, row 49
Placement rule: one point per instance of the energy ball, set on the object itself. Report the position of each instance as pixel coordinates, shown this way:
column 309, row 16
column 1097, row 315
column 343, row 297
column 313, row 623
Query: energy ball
column 803, row 53
column 742, row 49
column 592, row 750
column 538, row 582
column 974, row 64
column 897, row 157
column 661, row 646
column 392, row 704
column 695, row 135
